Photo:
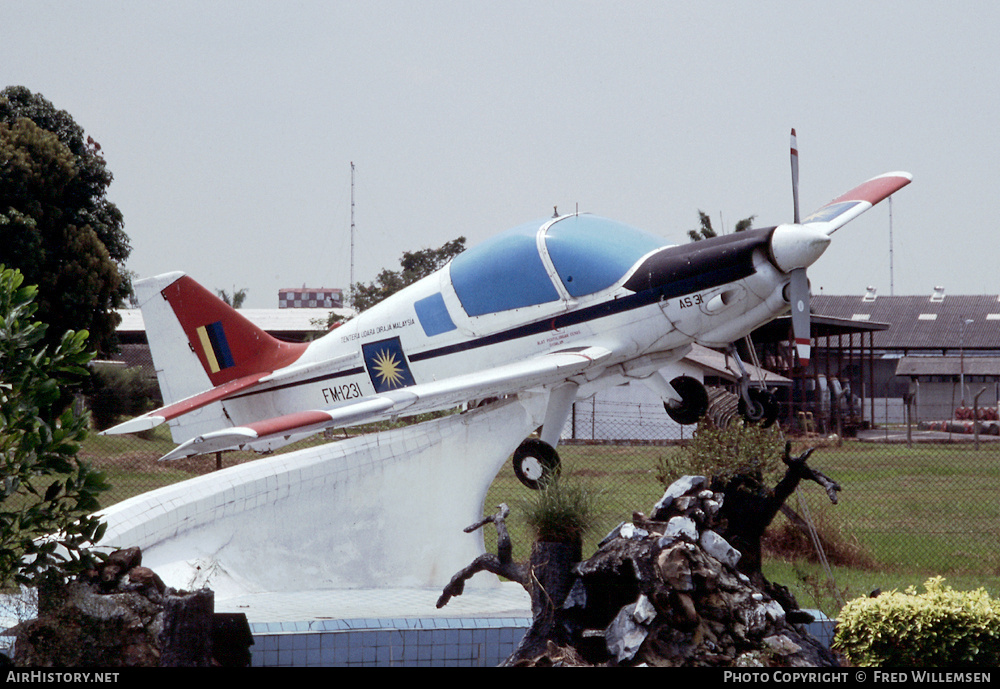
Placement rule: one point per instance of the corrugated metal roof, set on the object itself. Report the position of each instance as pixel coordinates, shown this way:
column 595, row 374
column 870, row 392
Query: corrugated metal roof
column 948, row 366
column 716, row 362
column 917, row 322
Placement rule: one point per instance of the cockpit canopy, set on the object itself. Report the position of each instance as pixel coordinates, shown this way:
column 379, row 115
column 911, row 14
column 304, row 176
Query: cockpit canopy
column 543, row 261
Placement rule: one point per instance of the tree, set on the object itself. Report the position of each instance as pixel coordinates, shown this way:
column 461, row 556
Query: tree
column 705, row 230
column 235, row 299
column 48, row 495
column 56, row 223
column 413, row 266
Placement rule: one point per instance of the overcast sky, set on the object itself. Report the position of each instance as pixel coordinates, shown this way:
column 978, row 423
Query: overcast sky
column 230, row 127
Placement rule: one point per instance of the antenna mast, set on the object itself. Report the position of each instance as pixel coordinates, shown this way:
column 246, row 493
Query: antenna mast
column 350, row 287
column 892, row 290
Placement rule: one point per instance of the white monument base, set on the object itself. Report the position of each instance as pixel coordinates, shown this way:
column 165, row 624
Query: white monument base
column 385, row 510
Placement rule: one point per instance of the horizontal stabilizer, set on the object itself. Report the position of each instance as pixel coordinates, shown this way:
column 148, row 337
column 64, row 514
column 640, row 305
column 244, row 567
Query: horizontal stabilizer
column 172, row 411
column 847, row 207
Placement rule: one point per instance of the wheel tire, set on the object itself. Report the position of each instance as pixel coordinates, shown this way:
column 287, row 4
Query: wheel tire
column 762, row 410
column 694, row 401
column 535, row 462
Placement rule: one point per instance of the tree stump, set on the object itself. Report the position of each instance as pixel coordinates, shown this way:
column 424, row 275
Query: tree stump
column 186, row 640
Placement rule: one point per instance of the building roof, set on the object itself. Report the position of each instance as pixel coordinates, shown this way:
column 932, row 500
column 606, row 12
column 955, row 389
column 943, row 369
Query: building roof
column 948, row 366
column 779, row 329
column 922, row 322
column 718, row 364
column 270, row 320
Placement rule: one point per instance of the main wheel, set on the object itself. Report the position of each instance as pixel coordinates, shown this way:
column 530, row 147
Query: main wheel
column 694, row 400
column 762, row 409
column 535, row 462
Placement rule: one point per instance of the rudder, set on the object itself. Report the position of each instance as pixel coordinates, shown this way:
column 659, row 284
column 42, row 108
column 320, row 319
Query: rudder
column 226, row 343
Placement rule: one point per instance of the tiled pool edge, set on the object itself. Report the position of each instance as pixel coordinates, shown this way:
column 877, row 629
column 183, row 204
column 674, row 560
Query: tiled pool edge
column 387, row 642
column 408, row 642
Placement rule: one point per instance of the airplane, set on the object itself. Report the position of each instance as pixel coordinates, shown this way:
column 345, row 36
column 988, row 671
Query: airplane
column 565, row 306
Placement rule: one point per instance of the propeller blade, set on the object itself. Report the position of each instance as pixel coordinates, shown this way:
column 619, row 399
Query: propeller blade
column 799, row 285
column 795, row 179
column 799, row 298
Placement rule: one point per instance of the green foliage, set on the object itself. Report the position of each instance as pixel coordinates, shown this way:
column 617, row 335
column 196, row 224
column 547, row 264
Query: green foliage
column 116, row 391
column 413, row 266
column 706, row 231
column 56, row 225
column 235, row 299
column 561, row 511
column 47, row 494
column 724, row 453
column 939, row 628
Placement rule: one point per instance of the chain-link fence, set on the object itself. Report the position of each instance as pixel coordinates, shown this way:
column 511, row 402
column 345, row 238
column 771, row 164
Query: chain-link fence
column 918, row 498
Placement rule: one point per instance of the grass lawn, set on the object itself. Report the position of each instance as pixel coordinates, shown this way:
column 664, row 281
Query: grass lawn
column 903, row 515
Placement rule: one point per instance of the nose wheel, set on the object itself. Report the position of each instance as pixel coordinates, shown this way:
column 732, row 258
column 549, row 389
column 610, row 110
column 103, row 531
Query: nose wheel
column 759, row 406
column 535, row 462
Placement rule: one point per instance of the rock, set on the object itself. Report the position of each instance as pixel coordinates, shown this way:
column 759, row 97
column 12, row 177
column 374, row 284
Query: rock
column 675, row 567
column 91, row 629
column 719, row 548
column 625, row 635
column 144, row 577
column 116, row 616
column 681, row 486
column 679, row 527
column 666, row 591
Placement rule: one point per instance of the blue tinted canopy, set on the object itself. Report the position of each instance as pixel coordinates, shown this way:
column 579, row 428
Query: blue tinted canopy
column 507, row 271
column 591, row 253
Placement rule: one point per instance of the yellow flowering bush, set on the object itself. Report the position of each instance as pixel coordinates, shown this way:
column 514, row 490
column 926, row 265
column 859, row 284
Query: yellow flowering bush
column 941, row 627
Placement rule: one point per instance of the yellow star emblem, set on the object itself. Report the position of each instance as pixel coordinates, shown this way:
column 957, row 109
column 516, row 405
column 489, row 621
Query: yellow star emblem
column 388, row 369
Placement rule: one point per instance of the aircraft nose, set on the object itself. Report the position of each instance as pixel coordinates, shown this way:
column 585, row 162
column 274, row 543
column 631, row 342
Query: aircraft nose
column 797, row 246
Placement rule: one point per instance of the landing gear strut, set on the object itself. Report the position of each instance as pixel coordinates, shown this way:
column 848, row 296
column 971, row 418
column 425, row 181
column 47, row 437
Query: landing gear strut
column 762, row 407
column 757, row 405
column 535, row 462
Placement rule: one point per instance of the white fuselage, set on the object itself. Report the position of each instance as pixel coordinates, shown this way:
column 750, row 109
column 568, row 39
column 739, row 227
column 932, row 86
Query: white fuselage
column 642, row 338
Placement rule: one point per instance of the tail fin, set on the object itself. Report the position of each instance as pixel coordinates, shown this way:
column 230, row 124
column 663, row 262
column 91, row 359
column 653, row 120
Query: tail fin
column 228, row 345
column 199, row 342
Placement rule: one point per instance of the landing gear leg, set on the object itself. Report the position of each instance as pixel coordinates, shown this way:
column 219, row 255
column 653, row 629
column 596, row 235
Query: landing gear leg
column 756, row 405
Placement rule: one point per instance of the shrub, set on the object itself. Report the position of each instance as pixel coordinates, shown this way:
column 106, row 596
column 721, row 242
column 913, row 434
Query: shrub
column 47, row 495
column 939, row 628
column 116, row 392
column 723, row 453
column 561, row 511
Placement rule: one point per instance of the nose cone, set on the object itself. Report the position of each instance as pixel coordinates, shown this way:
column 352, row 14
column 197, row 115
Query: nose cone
column 797, row 246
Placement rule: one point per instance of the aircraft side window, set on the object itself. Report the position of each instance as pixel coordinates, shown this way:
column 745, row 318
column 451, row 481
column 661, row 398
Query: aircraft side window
column 433, row 315
column 502, row 273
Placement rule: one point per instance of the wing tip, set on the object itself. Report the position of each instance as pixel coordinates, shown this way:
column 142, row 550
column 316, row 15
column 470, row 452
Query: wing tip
column 898, row 173
column 136, row 425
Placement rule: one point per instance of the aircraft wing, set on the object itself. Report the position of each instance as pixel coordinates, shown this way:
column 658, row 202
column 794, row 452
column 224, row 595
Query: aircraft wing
column 847, row 207
column 540, row 371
